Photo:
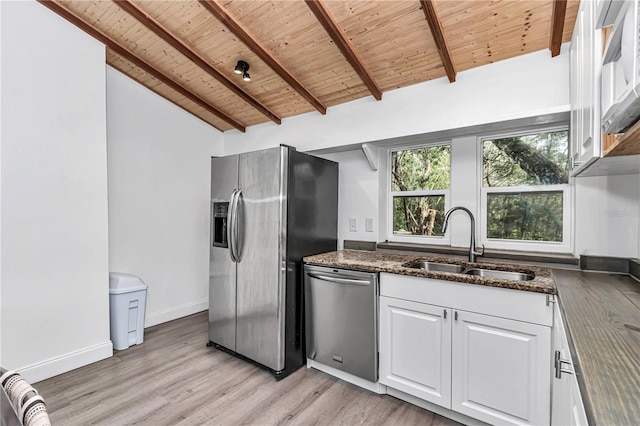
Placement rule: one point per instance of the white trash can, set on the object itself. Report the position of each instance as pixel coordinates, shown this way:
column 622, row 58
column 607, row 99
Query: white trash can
column 127, row 300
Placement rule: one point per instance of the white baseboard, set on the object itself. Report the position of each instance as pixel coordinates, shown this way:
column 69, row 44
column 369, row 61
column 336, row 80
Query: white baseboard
column 176, row 312
column 376, row 387
column 61, row 364
column 444, row 412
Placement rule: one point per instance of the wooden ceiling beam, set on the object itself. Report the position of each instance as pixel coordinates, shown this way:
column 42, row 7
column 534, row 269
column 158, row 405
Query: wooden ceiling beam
column 338, row 36
column 126, row 54
column 557, row 26
column 243, row 34
column 438, row 36
column 182, row 47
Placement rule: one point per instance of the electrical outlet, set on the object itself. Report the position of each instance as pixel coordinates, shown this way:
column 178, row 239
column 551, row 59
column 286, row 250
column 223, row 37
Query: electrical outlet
column 368, row 224
column 353, row 224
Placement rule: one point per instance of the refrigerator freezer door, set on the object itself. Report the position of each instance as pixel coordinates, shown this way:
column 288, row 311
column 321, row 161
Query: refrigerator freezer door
column 261, row 273
column 222, row 270
column 312, row 228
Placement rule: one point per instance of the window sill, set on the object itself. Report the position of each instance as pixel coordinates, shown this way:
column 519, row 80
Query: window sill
column 555, row 258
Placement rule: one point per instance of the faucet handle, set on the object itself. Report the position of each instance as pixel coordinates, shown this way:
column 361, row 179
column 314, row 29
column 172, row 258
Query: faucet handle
column 481, row 252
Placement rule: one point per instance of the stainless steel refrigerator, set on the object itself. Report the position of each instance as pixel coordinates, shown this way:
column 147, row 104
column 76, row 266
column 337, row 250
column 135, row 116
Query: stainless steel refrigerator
column 269, row 209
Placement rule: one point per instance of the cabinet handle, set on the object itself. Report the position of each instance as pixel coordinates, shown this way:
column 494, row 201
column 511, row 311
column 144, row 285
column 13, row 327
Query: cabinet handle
column 445, row 314
column 558, row 365
column 455, row 315
column 574, row 163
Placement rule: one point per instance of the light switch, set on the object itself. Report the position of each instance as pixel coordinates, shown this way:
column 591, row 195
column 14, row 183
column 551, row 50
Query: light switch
column 353, row 224
column 368, row 224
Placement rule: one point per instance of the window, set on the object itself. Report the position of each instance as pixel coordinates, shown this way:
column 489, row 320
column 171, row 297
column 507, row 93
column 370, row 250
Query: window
column 420, row 180
column 516, row 185
column 524, row 189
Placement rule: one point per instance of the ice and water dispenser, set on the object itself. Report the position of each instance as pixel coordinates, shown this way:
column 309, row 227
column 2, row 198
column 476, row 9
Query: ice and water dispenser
column 220, row 224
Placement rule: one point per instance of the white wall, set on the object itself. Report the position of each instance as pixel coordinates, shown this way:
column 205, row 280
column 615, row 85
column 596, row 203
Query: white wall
column 159, row 186
column 55, row 290
column 607, row 215
column 524, row 86
column 357, row 196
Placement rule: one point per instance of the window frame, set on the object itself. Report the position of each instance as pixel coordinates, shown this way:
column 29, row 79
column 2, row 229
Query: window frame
column 415, row 239
column 564, row 246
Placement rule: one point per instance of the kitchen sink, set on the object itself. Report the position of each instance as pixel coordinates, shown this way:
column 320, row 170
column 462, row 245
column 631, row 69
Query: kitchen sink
column 438, row 267
column 479, row 272
column 503, row 275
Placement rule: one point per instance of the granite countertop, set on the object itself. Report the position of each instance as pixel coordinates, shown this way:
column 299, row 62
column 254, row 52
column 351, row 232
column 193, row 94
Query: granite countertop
column 376, row 261
column 601, row 313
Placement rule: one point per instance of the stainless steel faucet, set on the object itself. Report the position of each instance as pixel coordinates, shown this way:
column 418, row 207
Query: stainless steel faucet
column 473, row 252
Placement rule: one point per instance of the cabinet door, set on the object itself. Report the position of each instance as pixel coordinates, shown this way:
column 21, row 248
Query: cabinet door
column 501, row 369
column 592, row 66
column 566, row 406
column 415, row 349
column 586, row 65
column 575, row 128
column 561, row 398
column 578, row 414
column 587, row 92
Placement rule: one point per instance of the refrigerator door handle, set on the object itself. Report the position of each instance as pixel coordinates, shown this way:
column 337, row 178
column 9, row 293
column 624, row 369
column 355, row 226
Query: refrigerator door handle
column 212, row 226
column 230, row 222
column 238, row 223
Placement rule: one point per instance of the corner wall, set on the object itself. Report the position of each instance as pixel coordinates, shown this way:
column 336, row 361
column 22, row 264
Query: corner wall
column 55, row 288
column 607, row 215
column 358, row 195
column 159, row 197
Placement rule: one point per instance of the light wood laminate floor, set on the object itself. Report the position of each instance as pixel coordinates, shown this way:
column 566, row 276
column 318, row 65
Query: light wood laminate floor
column 174, row 379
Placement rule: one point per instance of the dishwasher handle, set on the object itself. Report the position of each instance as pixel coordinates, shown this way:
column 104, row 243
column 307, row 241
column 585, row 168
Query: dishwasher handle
column 339, row 280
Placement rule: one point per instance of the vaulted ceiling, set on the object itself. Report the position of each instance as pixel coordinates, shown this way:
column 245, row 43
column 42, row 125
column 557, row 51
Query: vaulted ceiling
column 307, row 55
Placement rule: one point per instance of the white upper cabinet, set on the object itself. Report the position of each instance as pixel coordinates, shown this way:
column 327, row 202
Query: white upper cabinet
column 586, row 64
column 591, row 153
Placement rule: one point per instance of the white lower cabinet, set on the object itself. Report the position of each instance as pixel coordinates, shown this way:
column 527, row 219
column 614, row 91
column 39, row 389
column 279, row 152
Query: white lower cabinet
column 487, row 367
column 567, row 407
column 501, row 369
column 415, row 356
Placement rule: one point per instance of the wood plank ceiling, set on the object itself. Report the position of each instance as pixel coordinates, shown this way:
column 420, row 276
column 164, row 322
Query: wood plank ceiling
column 307, row 55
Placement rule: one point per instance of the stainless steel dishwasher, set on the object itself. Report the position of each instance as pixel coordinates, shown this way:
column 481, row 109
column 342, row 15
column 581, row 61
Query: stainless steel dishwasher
column 341, row 313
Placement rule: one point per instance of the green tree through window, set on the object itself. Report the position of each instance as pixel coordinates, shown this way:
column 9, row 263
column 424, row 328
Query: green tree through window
column 419, row 172
column 524, row 188
column 526, row 161
column 539, row 159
